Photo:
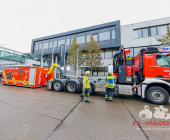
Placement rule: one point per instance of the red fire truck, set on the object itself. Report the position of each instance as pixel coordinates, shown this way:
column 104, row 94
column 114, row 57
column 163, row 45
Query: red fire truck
column 147, row 74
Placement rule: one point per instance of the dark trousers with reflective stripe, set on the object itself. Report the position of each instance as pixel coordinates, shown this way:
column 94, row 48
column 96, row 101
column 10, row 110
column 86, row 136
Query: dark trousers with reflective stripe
column 86, row 94
column 109, row 93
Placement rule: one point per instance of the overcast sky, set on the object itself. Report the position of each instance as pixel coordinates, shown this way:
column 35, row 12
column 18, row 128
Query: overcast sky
column 24, row 20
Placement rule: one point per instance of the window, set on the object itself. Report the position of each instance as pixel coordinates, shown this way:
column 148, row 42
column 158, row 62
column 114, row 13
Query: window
column 137, row 33
column 145, row 32
column 68, row 41
column 108, row 54
column 95, row 36
column 40, row 46
column 51, row 45
column 102, row 54
column 60, row 42
column 36, row 47
column 81, row 39
column 153, row 31
column 55, row 44
column 163, row 60
column 21, row 71
column 45, row 45
column 130, row 54
column 104, row 36
column 113, row 34
column 162, row 30
column 83, row 70
column 101, row 71
column 106, row 70
column 95, row 71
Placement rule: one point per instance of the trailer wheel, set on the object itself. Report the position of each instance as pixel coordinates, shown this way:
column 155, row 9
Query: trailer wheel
column 57, row 86
column 157, row 95
column 71, row 87
column 83, row 90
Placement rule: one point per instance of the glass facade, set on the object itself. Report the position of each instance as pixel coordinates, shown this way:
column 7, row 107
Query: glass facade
column 145, row 32
column 98, row 71
column 55, row 44
column 113, row 34
column 162, row 30
column 150, row 31
column 95, row 71
column 95, row 36
column 81, row 39
column 61, row 42
column 153, row 31
column 51, row 45
column 104, row 36
column 101, row 71
column 68, row 41
column 45, row 45
column 36, row 47
column 40, row 46
column 137, row 33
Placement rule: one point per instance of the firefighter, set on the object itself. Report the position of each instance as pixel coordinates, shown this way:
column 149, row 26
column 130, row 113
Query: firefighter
column 110, row 84
column 86, row 86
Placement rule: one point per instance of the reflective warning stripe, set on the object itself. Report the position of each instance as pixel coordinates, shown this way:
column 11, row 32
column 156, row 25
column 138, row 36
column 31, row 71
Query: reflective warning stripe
column 134, row 87
column 25, row 82
column 5, row 76
column 13, row 79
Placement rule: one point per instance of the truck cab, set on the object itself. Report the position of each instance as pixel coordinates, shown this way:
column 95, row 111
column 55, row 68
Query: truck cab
column 147, row 74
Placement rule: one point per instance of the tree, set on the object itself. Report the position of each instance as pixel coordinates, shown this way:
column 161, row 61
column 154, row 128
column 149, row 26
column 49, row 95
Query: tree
column 72, row 58
column 164, row 39
column 93, row 54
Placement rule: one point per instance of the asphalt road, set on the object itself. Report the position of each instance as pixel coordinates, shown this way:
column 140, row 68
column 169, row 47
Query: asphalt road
column 41, row 114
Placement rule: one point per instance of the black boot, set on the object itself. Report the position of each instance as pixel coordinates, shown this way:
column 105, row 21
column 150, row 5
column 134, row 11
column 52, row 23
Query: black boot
column 106, row 99
column 81, row 95
column 87, row 101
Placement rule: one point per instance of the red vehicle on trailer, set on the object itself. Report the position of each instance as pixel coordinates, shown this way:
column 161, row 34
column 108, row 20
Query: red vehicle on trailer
column 25, row 76
column 147, row 74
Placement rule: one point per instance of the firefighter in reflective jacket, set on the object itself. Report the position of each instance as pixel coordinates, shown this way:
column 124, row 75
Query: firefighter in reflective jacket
column 86, row 86
column 110, row 84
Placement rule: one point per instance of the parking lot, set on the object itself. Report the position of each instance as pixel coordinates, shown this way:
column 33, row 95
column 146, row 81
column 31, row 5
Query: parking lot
column 42, row 114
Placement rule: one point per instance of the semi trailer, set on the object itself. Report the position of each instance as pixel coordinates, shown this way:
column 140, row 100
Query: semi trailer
column 146, row 75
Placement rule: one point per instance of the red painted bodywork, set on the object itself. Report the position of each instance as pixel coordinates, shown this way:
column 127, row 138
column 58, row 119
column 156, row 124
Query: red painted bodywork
column 150, row 66
column 22, row 79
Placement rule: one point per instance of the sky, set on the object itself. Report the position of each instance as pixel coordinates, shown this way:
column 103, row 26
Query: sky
column 24, row 20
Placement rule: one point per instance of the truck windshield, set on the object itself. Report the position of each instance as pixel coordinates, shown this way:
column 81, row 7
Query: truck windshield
column 163, row 60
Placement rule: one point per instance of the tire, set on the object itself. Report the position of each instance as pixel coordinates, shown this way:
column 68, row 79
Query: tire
column 57, row 86
column 91, row 89
column 157, row 95
column 71, row 87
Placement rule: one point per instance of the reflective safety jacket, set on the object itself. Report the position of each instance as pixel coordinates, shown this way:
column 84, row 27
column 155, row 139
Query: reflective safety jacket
column 86, row 82
column 110, row 81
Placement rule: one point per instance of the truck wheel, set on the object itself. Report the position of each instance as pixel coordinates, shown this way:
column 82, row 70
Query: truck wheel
column 157, row 95
column 71, row 87
column 57, row 86
column 91, row 89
